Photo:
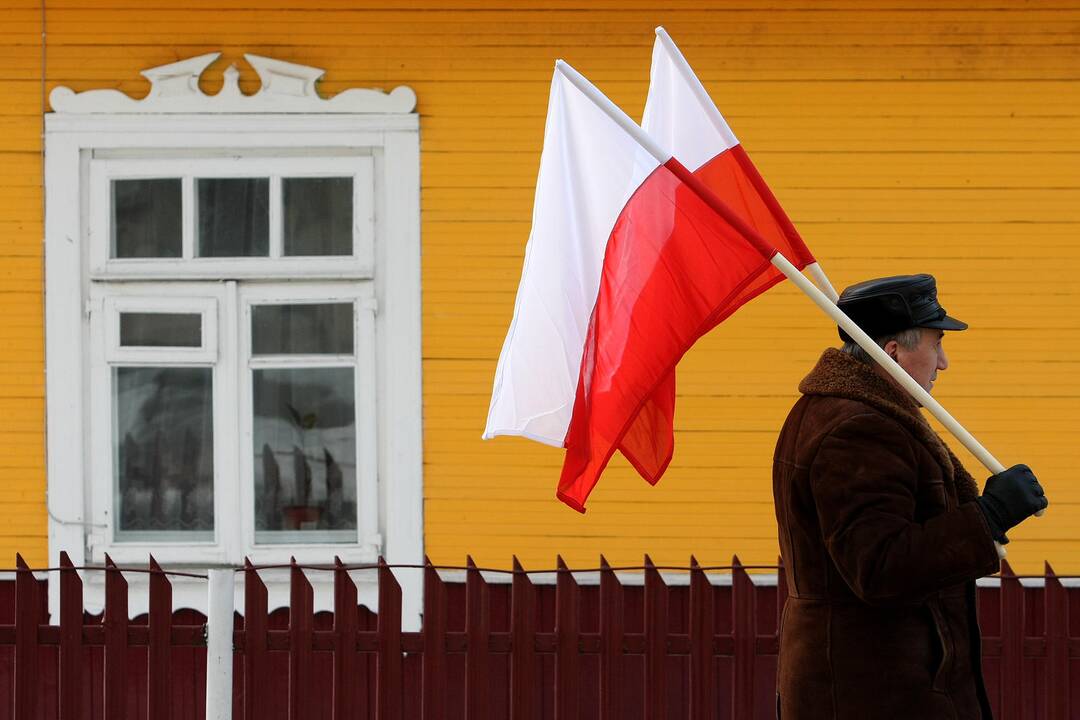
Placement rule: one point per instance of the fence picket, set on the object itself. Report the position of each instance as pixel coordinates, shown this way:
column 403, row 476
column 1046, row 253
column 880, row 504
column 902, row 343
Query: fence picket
column 388, row 692
column 301, row 635
column 159, row 654
column 434, row 672
column 702, row 704
column 71, row 631
column 568, row 653
column 346, row 623
column 612, row 629
column 523, row 695
column 1057, row 646
column 26, row 641
column 116, row 641
column 656, row 624
column 745, row 631
column 1012, row 642
column 477, row 632
column 255, row 653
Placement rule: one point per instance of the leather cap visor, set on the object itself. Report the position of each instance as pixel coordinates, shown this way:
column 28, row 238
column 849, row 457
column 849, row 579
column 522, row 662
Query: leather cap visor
column 945, row 323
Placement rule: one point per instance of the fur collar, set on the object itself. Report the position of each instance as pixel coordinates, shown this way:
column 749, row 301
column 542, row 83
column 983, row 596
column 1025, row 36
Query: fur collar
column 837, row 374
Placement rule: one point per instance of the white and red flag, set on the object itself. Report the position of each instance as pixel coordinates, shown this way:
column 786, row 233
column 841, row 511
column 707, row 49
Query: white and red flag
column 681, row 117
column 684, row 250
column 626, row 267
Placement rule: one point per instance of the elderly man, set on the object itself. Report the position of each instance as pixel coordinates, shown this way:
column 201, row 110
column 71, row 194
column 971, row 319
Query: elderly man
column 882, row 530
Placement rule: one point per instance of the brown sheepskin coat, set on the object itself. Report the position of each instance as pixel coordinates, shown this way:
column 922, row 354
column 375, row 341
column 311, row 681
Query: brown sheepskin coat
column 882, row 542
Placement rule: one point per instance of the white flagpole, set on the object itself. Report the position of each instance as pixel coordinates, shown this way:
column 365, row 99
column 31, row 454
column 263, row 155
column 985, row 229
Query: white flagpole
column 822, row 281
column 713, row 112
column 791, row 272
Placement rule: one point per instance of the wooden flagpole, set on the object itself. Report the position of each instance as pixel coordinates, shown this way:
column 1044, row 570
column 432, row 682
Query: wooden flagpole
column 819, row 298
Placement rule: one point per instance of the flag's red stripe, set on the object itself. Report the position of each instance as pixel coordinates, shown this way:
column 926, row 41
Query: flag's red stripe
column 665, row 283
column 799, row 254
column 721, row 208
column 577, row 487
column 649, row 442
column 674, row 267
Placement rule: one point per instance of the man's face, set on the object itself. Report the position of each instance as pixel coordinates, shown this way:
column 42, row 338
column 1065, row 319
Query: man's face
column 924, row 360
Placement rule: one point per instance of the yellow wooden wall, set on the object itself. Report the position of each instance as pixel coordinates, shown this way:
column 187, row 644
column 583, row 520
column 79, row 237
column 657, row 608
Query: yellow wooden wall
column 900, row 136
column 22, row 332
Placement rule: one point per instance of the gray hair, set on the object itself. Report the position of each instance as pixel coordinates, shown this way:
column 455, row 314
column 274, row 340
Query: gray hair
column 907, row 339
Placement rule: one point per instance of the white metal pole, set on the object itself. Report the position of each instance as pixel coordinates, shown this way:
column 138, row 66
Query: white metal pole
column 791, row 272
column 219, row 644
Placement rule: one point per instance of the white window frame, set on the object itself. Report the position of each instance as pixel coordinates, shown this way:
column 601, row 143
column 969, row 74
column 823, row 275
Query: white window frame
column 364, row 388
column 176, row 123
column 227, row 306
column 201, row 299
column 104, row 170
column 105, row 305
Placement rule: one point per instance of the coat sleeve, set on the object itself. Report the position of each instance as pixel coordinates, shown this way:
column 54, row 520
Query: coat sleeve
column 864, row 482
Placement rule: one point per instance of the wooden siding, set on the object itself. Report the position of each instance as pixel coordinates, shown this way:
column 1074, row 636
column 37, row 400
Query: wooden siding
column 23, row 525
column 900, row 136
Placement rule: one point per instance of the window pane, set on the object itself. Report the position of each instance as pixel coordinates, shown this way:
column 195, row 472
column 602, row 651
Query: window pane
column 234, row 217
column 160, row 330
column 305, row 455
column 146, row 218
column 318, row 215
column 164, row 450
column 302, row 329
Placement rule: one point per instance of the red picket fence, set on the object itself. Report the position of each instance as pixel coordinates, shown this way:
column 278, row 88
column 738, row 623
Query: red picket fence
column 487, row 650
column 112, row 636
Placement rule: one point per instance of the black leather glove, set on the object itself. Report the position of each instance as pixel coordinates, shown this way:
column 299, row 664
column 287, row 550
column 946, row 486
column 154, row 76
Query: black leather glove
column 1009, row 498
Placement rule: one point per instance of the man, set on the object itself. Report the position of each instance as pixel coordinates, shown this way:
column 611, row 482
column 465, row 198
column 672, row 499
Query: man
column 882, row 530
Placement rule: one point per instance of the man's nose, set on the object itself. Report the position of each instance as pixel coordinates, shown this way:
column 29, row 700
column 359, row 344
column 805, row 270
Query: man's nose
column 943, row 362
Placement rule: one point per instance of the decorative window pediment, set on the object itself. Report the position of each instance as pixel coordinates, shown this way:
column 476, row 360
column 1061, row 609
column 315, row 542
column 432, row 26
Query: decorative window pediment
column 286, row 87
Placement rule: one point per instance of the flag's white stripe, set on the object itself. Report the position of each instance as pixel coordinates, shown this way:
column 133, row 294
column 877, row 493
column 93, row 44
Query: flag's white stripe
column 679, row 113
column 613, row 112
column 589, row 168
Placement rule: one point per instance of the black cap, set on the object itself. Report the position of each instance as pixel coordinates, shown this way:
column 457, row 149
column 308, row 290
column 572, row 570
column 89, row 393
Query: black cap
column 885, row 306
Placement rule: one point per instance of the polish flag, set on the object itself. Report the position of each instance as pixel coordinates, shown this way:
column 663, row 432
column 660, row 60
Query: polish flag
column 681, row 117
column 626, row 266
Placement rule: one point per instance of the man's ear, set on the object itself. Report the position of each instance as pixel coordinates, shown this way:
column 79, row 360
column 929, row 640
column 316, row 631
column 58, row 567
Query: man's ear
column 890, row 348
